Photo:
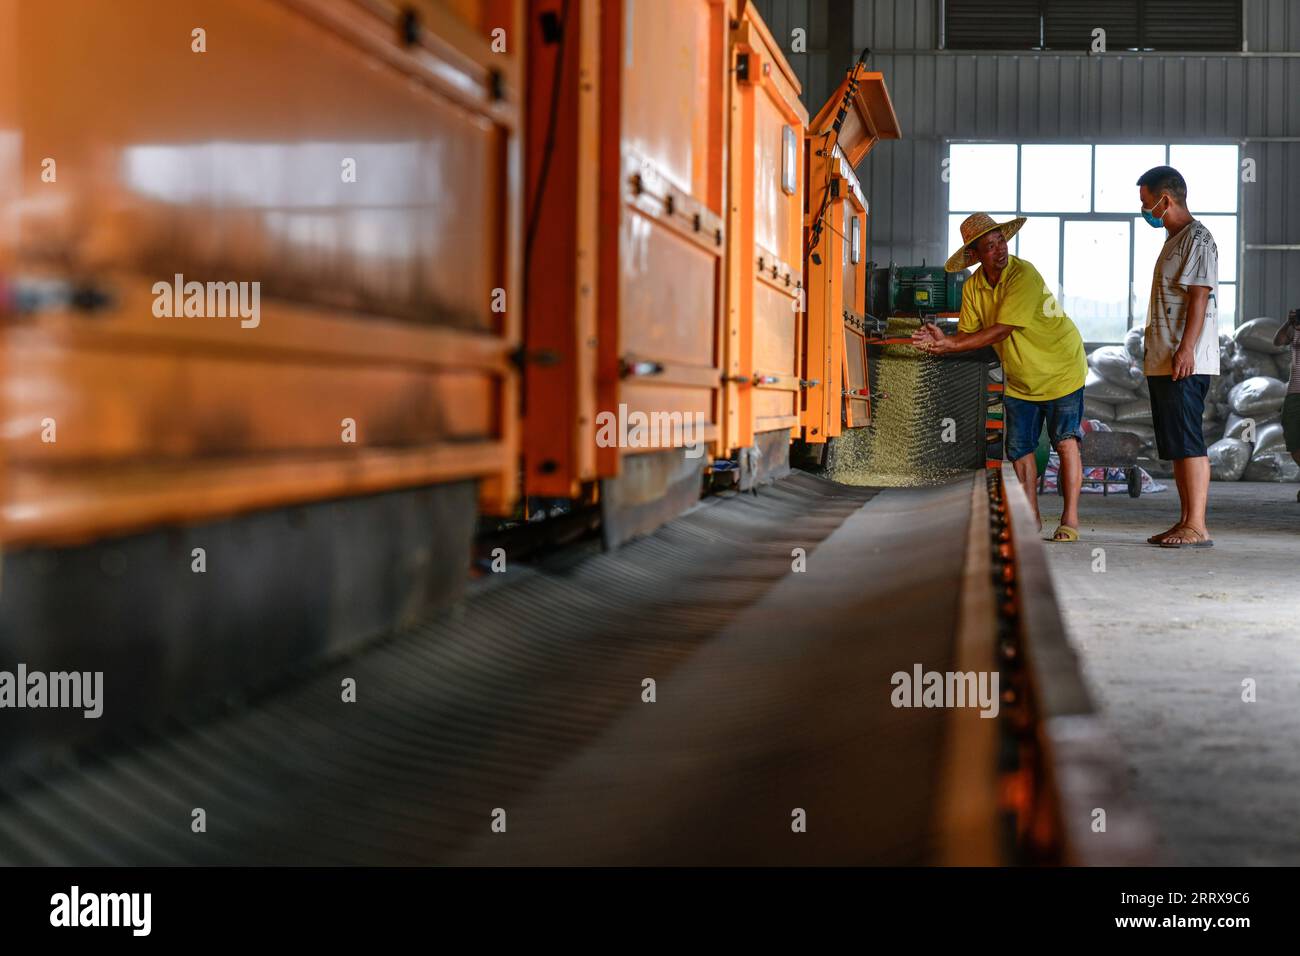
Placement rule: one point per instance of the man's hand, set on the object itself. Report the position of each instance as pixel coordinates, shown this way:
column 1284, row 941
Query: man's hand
column 1184, row 362
column 930, row 338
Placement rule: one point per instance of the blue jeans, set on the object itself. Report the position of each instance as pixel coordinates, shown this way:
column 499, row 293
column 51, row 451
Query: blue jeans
column 1025, row 419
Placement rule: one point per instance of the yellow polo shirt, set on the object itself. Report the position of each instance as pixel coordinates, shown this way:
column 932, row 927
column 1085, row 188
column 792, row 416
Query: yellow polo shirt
column 1043, row 358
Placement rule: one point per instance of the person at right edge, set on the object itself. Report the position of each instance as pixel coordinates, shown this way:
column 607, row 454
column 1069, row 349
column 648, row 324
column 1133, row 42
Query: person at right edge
column 1289, row 334
column 1182, row 347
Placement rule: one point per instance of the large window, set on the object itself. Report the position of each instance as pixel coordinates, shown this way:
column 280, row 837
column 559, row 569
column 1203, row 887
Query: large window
column 1084, row 230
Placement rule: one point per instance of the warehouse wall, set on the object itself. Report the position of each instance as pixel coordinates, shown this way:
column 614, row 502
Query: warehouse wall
column 829, row 39
column 1252, row 99
column 1271, row 25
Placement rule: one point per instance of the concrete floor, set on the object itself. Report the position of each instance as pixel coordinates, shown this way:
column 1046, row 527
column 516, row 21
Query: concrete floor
column 1167, row 638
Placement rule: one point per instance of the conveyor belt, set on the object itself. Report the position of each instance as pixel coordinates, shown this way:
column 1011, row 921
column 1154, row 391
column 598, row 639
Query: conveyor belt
column 475, row 706
column 772, row 698
column 787, row 709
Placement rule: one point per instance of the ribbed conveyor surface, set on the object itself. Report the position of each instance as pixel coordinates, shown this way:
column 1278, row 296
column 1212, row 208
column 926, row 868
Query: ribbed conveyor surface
column 772, row 687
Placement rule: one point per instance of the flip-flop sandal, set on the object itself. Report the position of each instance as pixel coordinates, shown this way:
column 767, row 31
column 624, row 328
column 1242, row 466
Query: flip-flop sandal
column 1157, row 538
column 1071, row 534
column 1184, row 532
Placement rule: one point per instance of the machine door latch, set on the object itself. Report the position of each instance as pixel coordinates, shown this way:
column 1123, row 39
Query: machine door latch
column 639, row 369
column 25, row 296
column 409, row 28
column 543, row 357
column 756, row 379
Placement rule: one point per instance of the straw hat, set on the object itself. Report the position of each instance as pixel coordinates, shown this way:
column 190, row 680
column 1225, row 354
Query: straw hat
column 971, row 229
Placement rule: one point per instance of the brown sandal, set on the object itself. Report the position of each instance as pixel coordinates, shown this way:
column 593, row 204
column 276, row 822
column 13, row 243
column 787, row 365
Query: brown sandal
column 1185, row 532
column 1157, row 538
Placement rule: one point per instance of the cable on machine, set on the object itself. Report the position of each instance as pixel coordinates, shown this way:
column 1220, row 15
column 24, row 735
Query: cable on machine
column 815, row 235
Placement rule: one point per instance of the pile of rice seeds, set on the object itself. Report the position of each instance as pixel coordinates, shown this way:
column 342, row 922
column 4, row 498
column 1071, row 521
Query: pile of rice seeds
column 928, row 399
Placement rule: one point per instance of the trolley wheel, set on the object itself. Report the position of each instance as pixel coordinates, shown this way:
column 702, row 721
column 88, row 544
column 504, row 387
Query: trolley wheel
column 1134, row 483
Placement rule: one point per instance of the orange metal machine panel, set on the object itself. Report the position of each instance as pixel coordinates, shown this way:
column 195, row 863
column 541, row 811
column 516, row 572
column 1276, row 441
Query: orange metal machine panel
column 850, row 215
column 625, row 238
column 356, row 162
column 838, row 395
column 766, row 181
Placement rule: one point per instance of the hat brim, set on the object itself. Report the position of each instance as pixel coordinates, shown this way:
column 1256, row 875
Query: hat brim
column 963, row 258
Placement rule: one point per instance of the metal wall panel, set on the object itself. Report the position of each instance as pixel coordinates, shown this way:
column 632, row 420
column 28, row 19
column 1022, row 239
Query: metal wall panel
column 1272, row 25
column 895, row 24
column 830, row 42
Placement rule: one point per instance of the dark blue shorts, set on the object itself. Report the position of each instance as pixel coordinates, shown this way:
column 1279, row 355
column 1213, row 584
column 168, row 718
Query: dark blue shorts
column 1291, row 422
column 1025, row 420
column 1176, row 411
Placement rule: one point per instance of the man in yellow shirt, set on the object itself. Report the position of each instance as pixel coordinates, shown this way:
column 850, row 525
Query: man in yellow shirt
column 1006, row 304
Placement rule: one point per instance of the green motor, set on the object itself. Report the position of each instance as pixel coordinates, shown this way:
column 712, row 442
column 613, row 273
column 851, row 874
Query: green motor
column 913, row 290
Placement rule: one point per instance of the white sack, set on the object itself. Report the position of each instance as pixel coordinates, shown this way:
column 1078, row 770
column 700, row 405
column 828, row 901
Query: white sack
column 1102, row 411
column 1228, row 459
column 1257, row 396
column 1115, row 365
column 1095, row 386
column 1272, row 466
column 1138, row 410
column 1257, row 334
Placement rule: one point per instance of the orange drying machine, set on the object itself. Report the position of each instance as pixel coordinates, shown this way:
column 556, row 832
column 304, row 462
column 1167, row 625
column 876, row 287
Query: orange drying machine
column 764, row 333
column 259, row 310
column 228, row 300
column 626, row 246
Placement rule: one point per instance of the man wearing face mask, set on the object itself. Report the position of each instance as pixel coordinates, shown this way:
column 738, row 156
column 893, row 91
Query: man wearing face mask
column 1182, row 347
column 1007, row 305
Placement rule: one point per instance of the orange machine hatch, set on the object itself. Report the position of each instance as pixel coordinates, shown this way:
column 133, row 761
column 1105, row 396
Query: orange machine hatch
column 869, row 119
column 766, row 182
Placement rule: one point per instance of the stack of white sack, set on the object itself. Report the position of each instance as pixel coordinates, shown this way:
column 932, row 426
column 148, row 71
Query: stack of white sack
column 1242, row 410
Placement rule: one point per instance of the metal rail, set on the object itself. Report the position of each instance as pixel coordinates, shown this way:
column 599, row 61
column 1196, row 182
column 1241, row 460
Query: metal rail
column 1061, row 766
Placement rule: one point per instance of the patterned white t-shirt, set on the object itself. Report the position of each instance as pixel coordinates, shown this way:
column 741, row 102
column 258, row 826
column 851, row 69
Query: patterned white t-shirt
column 1188, row 258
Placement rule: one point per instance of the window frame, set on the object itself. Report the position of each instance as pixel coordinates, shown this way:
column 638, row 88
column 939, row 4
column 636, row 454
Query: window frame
column 1094, row 216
